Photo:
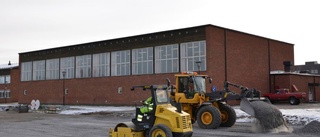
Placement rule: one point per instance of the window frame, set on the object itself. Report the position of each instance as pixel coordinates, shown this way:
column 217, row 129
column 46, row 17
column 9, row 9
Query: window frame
column 52, row 69
column 142, row 61
column 83, row 66
column 121, row 63
column 67, row 64
column 190, row 53
column 39, row 70
column 165, row 63
column 101, row 64
column 26, row 71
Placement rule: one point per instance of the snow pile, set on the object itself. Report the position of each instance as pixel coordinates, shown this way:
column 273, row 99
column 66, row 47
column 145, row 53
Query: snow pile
column 77, row 110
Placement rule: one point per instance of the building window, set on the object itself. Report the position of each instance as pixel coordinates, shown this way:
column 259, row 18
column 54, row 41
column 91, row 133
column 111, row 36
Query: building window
column 101, row 65
column 192, row 52
column 83, row 66
column 26, row 71
column 120, row 63
column 314, row 71
column 7, row 79
column 39, row 70
column 142, row 61
column 52, row 69
column 166, row 59
column 5, row 93
column 67, row 65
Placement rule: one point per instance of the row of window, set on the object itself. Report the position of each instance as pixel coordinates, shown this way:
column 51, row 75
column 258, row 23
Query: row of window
column 5, row 93
column 149, row 60
column 4, row 79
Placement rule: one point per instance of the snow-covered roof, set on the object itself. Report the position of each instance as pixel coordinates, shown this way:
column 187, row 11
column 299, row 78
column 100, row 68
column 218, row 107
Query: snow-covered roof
column 6, row 66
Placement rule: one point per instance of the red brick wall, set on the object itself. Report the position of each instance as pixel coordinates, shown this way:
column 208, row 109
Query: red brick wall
column 280, row 52
column 300, row 81
column 247, row 60
column 215, row 56
column 101, row 91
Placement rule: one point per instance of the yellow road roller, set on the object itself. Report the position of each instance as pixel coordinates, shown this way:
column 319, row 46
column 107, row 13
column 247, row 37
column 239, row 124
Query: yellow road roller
column 163, row 119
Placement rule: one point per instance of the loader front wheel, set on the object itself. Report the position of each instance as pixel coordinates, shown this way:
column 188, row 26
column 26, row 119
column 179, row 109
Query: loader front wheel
column 228, row 115
column 208, row 117
column 160, row 130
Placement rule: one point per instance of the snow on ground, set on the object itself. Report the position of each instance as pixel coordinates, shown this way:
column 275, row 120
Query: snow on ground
column 76, row 110
column 293, row 115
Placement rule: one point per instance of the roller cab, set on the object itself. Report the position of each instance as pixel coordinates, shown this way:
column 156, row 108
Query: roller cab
column 165, row 120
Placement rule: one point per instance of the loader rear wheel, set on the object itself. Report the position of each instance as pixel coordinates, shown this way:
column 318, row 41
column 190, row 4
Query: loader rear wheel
column 208, row 117
column 228, row 115
column 160, row 130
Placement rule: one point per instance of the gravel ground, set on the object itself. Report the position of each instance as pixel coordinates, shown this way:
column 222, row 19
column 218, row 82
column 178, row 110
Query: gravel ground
column 312, row 128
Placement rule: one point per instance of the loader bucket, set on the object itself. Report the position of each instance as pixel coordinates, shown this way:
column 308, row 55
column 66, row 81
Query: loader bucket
column 247, row 107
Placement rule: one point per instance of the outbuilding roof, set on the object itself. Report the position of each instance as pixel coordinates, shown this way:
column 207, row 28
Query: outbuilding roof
column 9, row 66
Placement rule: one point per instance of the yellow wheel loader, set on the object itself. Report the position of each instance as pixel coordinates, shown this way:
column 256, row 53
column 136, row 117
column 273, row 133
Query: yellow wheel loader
column 163, row 120
column 210, row 109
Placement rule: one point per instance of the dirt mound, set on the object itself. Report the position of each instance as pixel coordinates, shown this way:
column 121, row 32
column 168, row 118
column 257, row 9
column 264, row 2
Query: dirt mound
column 269, row 118
column 312, row 128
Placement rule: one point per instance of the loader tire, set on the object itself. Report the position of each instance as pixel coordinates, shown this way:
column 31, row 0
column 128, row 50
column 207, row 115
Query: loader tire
column 228, row 115
column 160, row 130
column 208, row 117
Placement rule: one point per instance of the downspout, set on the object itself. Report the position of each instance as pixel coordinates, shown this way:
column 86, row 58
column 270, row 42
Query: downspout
column 225, row 56
column 269, row 67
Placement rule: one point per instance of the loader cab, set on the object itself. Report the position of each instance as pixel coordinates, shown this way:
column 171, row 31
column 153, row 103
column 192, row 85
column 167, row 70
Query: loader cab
column 191, row 84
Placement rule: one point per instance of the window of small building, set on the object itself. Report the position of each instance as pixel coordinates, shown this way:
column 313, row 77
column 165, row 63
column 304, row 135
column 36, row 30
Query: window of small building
column 7, row 79
column 5, row 93
column 52, row 69
column 67, row 65
column 26, row 71
column 192, row 52
column 83, row 66
column 1, row 93
column 2, row 79
column 314, row 71
column 101, row 65
column 166, row 58
column 120, row 63
column 142, row 61
column 39, row 70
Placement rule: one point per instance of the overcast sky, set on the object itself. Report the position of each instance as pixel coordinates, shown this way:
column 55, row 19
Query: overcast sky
column 28, row 25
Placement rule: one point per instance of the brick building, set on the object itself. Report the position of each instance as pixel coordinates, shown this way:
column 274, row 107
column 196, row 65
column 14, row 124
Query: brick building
column 96, row 72
column 308, row 83
column 310, row 67
column 6, row 84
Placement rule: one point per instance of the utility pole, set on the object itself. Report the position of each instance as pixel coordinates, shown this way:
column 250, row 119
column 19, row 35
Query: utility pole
column 199, row 64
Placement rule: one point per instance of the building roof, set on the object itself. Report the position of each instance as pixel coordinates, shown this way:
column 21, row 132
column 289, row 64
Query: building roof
column 141, row 35
column 7, row 66
column 281, row 72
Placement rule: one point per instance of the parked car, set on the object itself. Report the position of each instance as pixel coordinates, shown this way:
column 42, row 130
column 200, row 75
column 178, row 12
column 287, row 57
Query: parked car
column 294, row 98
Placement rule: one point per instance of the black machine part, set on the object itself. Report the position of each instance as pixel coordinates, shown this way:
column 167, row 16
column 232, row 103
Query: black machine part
column 226, row 94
